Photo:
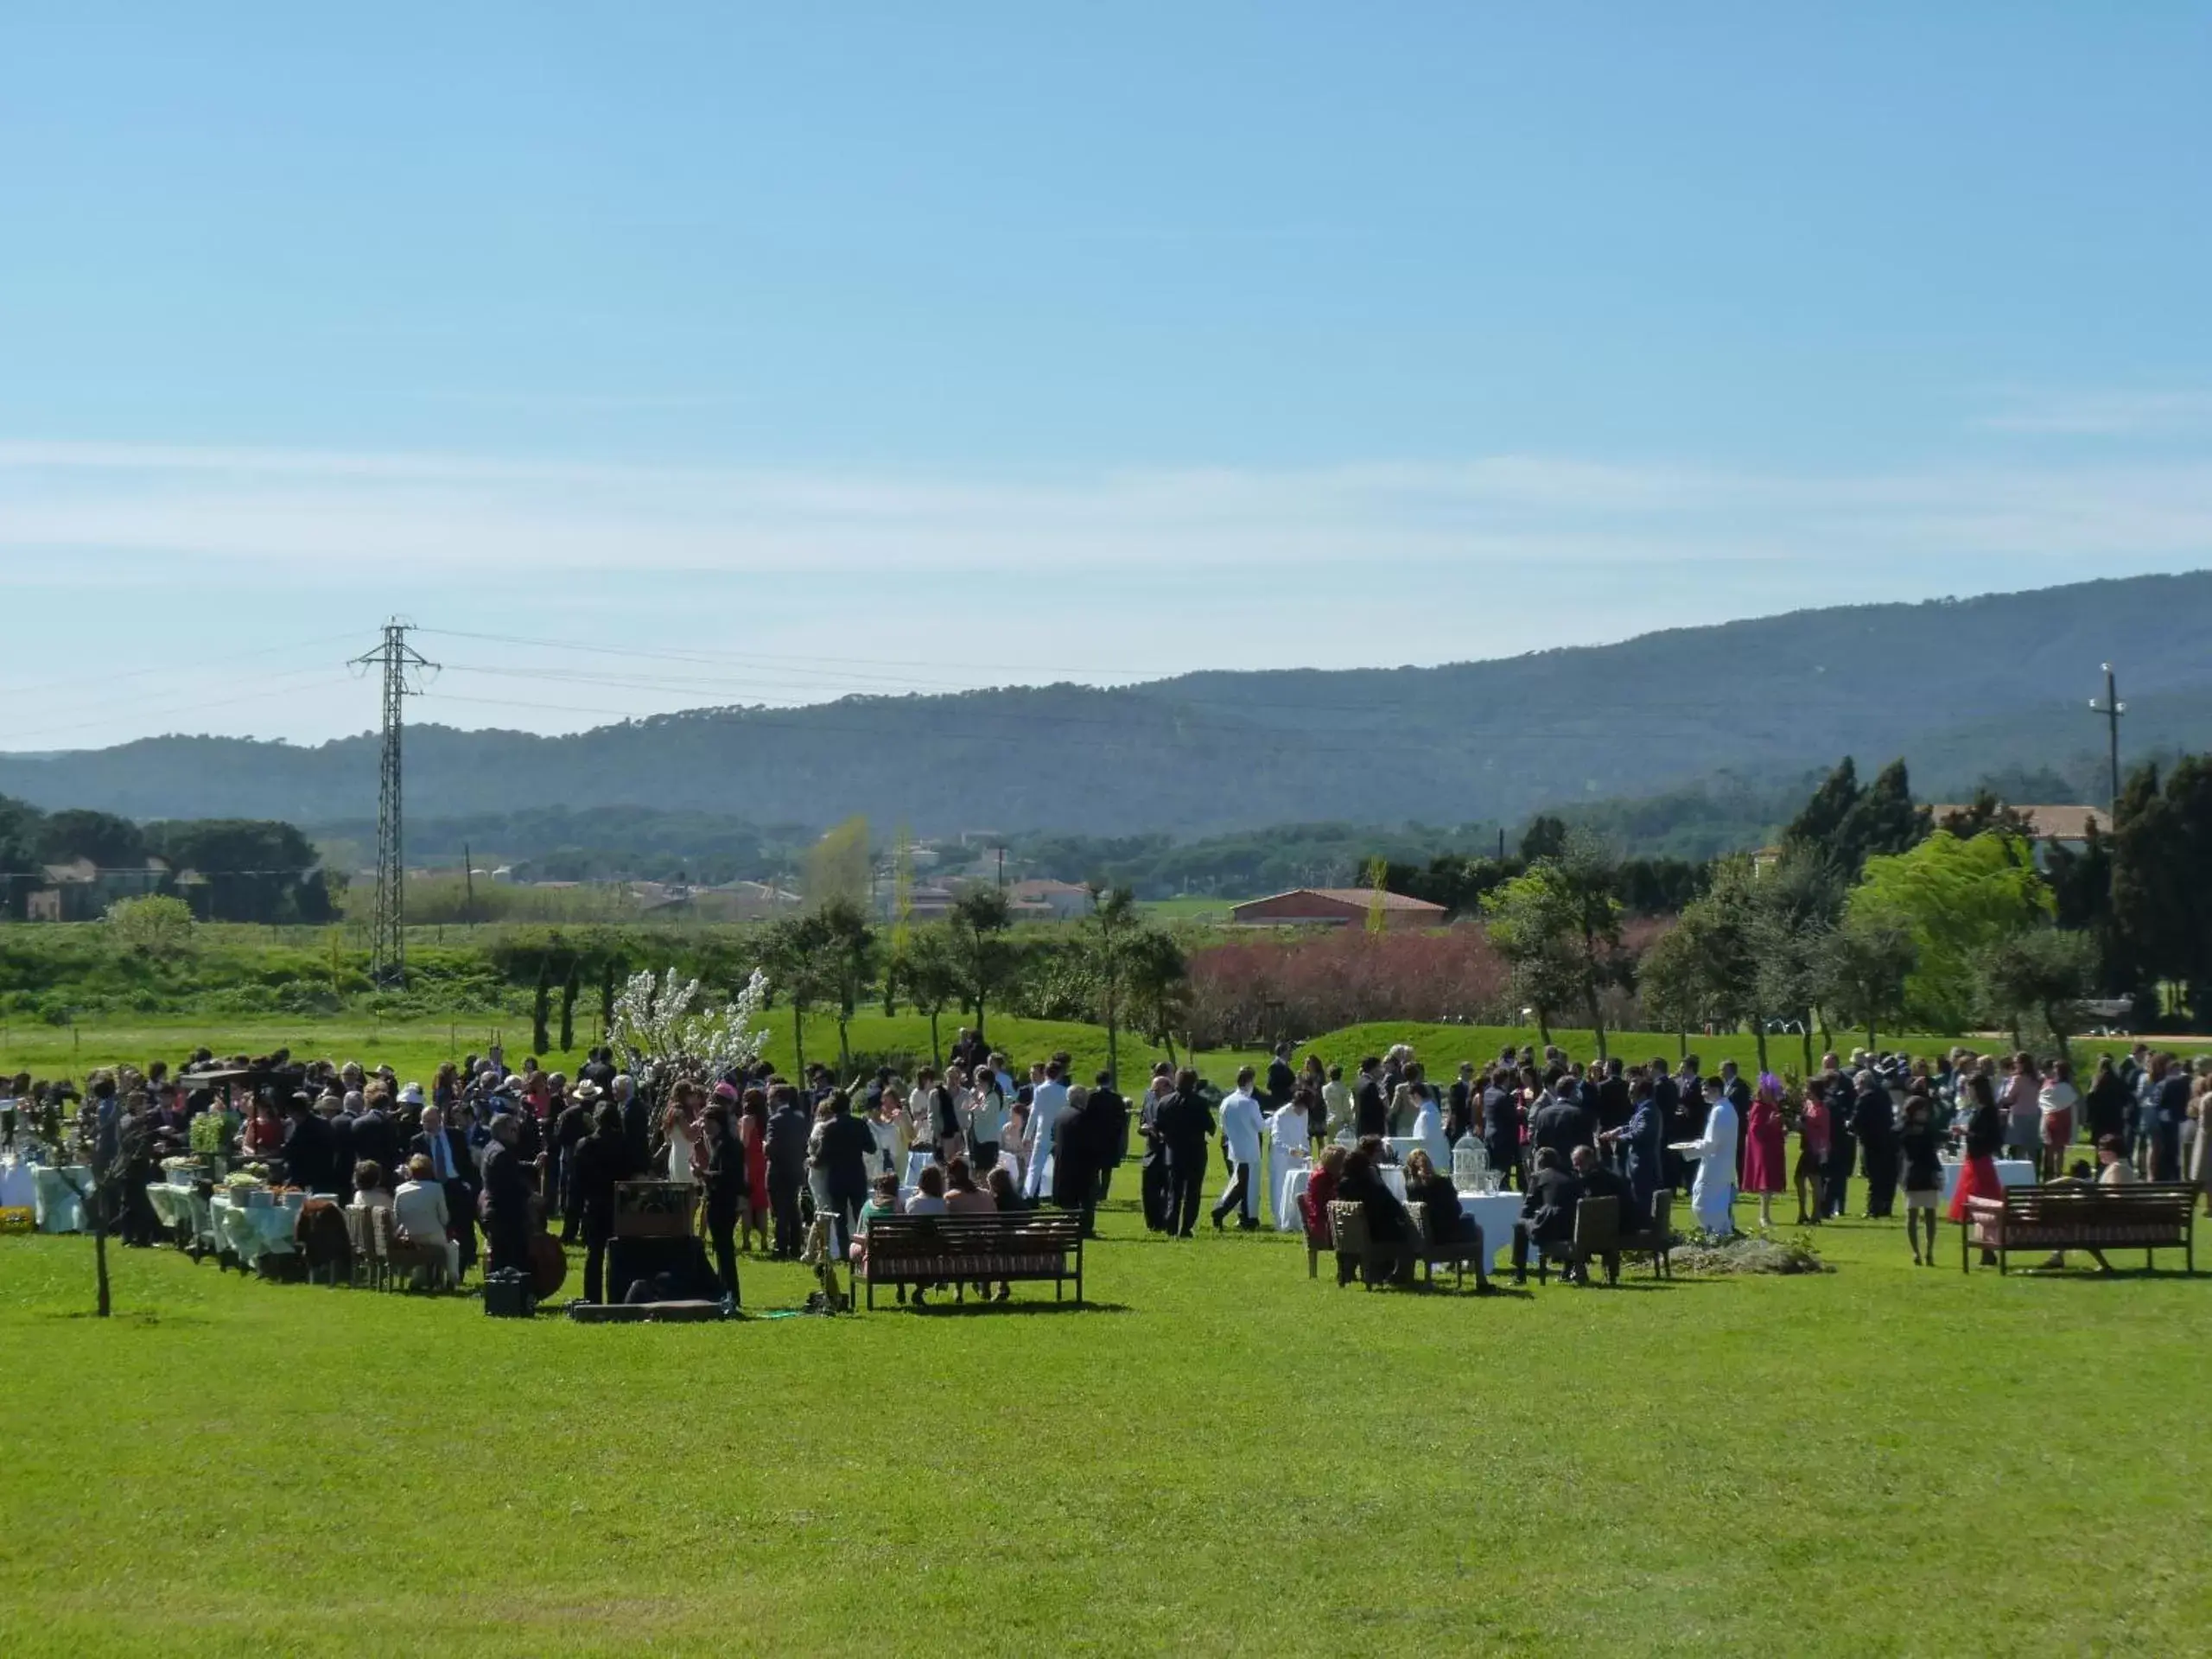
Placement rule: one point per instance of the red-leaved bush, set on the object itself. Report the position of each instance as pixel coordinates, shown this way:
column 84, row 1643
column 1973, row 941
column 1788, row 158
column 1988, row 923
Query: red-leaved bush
column 1255, row 990
column 1250, row 990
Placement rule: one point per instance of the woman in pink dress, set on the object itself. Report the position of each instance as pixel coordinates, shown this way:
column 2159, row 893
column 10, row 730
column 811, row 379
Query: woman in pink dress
column 1812, row 1153
column 753, row 1136
column 1766, row 1163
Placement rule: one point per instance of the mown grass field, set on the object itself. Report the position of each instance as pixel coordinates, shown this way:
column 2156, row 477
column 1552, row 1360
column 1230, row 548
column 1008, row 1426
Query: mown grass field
column 1222, row 1457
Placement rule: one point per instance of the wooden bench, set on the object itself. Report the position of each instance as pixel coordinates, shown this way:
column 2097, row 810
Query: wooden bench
column 2067, row 1217
column 961, row 1250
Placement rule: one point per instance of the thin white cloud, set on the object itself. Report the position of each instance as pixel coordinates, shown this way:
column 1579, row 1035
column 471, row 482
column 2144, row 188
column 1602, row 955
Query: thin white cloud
column 308, row 512
column 2099, row 414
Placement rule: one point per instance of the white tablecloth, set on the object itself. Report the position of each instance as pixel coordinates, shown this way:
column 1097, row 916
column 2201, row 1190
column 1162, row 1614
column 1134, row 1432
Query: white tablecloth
column 2011, row 1171
column 57, row 1206
column 18, row 1188
column 251, row 1231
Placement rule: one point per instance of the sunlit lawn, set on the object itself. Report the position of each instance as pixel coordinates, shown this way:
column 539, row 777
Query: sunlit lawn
column 1222, row 1457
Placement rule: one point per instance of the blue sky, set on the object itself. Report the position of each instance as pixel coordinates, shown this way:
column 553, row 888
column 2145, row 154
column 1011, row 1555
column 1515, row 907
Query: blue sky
column 906, row 347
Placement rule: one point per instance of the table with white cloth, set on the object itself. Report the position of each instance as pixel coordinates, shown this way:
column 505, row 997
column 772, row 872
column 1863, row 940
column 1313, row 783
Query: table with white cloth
column 2011, row 1171
column 57, row 1208
column 251, row 1231
column 184, row 1208
column 18, row 1187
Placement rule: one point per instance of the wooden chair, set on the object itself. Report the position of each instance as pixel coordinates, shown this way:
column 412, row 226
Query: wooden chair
column 1318, row 1237
column 1656, row 1240
column 323, row 1237
column 1374, row 1260
column 401, row 1255
column 1596, row 1233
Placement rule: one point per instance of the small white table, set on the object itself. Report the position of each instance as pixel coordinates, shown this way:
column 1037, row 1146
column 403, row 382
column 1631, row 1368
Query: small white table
column 2011, row 1171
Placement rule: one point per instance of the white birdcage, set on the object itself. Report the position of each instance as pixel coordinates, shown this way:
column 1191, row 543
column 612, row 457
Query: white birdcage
column 1469, row 1166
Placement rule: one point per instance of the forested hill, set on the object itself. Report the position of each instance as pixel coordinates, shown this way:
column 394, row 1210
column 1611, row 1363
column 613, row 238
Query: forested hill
column 1960, row 689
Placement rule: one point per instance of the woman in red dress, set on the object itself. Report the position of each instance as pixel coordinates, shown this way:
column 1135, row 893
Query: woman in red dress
column 1984, row 1137
column 1766, row 1155
column 753, row 1136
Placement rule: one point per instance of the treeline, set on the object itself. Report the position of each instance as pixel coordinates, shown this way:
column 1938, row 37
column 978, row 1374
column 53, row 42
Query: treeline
column 246, row 869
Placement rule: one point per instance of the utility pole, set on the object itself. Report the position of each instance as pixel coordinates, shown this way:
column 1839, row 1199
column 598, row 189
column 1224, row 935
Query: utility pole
column 2111, row 709
column 1001, row 868
column 398, row 660
column 469, row 884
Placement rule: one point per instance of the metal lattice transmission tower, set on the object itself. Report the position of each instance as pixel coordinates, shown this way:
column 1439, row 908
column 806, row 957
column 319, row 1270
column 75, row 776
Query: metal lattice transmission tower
column 401, row 662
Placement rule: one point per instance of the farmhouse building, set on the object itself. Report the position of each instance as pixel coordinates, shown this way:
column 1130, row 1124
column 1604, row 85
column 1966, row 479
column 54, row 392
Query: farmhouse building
column 1336, row 907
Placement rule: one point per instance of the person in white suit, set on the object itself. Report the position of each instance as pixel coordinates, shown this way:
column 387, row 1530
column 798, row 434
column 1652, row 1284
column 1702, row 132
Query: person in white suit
column 1289, row 1131
column 1242, row 1127
column 1714, row 1193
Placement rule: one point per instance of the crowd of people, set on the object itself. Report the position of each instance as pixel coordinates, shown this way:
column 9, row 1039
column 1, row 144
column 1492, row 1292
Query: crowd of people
column 507, row 1150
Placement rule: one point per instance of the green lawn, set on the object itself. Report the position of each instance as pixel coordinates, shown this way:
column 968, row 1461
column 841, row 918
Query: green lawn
column 1224, row 1457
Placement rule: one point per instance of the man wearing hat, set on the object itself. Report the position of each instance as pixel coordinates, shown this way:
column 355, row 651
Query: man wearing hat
column 570, row 1131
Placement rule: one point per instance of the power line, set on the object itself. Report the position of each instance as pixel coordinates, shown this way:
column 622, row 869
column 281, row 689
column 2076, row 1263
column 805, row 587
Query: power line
column 398, row 660
column 2111, row 709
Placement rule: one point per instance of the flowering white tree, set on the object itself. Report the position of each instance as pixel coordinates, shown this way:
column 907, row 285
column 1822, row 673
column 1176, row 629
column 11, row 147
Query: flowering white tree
column 661, row 1024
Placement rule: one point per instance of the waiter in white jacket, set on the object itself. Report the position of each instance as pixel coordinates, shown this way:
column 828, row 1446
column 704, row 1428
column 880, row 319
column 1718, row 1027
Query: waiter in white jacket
column 1241, row 1126
column 1712, row 1195
column 1289, row 1129
column 1047, row 1100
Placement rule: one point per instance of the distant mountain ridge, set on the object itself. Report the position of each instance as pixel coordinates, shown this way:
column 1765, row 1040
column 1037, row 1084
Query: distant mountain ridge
column 1959, row 687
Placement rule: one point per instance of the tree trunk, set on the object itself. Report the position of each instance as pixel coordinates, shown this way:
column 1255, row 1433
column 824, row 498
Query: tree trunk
column 937, row 1052
column 2066, row 1050
column 844, row 1047
column 1597, row 1021
column 1805, row 1030
column 1544, row 1027
column 1758, row 1034
column 1869, row 1036
column 1681, row 1045
column 798, row 1042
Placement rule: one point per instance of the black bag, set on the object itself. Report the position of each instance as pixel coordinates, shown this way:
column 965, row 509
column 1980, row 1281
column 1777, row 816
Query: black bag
column 507, row 1294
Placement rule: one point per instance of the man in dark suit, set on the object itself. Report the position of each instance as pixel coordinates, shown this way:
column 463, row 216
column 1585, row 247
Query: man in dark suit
column 1282, row 1082
column 1874, row 1120
column 1106, row 1116
column 788, row 1128
column 1370, row 1106
column 1613, row 1103
column 332, row 1110
column 1560, row 1125
column 1547, row 1210
column 375, row 1140
column 507, row 1188
column 602, row 1158
column 1187, row 1126
column 1502, row 1126
column 847, row 1145
column 453, row 1170
column 1460, row 1105
column 569, row 1130
column 307, row 1147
